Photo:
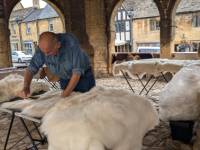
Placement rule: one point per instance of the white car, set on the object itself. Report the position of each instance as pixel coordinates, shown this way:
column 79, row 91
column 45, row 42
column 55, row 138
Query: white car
column 20, row 57
column 148, row 50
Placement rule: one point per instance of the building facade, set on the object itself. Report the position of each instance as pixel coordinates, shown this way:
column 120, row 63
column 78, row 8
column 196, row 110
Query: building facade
column 123, row 29
column 26, row 24
column 185, row 29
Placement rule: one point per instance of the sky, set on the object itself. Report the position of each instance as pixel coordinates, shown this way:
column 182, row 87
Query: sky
column 28, row 3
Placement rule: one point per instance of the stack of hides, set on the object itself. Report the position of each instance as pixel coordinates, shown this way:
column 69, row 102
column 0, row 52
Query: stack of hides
column 180, row 99
column 99, row 119
column 96, row 120
column 13, row 83
column 151, row 66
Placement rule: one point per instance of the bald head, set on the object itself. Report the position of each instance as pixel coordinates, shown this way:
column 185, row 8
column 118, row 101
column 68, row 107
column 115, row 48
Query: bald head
column 48, row 43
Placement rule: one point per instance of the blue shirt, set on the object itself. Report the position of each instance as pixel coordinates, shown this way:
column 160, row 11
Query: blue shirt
column 70, row 59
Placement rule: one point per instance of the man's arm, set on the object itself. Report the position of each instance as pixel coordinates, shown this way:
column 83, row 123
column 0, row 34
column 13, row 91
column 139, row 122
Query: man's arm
column 25, row 93
column 71, row 85
column 36, row 63
column 27, row 78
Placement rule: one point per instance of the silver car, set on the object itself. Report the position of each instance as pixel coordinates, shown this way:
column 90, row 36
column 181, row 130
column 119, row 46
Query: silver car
column 20, row 57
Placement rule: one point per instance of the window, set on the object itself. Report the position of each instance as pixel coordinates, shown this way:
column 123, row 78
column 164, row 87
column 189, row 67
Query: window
column 120, row 26
column 128, row 37
column 14, row 46
column 154, row 25
column 116, row 27
column 51, row 27
column 191, row 46
column 124, row 15
column 196, row 21
column 13, row 30
column 14, row 53
column 28, row 47
column 119, row 15
column 182, row 47
column 127, row 25
column 28, row 28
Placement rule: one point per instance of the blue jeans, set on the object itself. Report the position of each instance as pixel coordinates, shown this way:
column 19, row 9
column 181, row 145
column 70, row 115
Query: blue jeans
column 85, row 83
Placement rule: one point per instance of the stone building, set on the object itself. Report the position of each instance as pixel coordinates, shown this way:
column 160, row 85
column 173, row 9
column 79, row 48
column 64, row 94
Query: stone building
column 92, row 22
column 26, row 24
column 146, row 25
column 123, row 24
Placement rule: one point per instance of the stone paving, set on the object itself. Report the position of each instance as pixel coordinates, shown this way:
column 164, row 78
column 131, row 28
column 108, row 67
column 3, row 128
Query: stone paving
column 157, row 139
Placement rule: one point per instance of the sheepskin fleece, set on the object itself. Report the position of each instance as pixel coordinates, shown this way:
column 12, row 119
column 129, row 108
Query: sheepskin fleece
column 151, row 66
column 180, row 99
column 17, row 105
column 39, row 107
column 36, row 106
column 13, row 83
column 111, row 118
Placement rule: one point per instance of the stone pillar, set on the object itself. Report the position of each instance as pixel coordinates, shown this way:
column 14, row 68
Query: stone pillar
column 67, row 16
column 166, row 10
column 165, row 37
column 88, row 24
column 96, row 31
column 5, row 57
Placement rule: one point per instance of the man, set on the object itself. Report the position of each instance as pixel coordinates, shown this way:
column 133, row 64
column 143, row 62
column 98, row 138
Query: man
column 62, row 54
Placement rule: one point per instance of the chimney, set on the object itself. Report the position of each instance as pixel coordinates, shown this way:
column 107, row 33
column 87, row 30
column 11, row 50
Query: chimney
column 36, row 4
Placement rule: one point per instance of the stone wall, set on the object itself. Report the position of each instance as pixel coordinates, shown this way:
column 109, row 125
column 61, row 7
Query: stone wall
column 142, row 32
column 5, row 59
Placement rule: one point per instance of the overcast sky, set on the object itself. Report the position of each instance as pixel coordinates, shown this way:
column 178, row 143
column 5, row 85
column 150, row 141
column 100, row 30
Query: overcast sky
column 28, row 3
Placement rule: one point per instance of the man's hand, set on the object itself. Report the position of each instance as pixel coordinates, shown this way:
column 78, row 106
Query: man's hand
column 64, row 94
column 25, row 93
column 71, row 85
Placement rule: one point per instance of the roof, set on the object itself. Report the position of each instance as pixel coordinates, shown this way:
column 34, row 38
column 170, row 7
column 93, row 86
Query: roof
column 48, row 12
column 21, row 14
column 139, row 10
column 44, row 13
column 188, row 6
column 18, row 6
column 34, row 16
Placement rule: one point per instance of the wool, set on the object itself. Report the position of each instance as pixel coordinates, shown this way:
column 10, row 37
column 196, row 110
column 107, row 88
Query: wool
column 180, row 98
column 111, row 118
column 13, row 83
column 17, row 105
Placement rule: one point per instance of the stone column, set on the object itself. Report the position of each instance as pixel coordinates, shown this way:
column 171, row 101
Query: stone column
column 165, row 37
column 166, row 9
column 96, row 30
column 67, row 16
column 5, row 57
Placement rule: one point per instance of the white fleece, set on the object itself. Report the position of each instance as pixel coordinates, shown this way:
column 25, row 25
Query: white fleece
column 13, row 83
column 115, row 119
column 180, row 99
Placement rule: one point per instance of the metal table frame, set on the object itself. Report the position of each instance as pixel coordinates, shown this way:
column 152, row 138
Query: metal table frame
column 144, row 85
column 35, row 121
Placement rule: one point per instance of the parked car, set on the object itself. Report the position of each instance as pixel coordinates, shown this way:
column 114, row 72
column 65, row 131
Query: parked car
column 20, row 57
column 148, row 50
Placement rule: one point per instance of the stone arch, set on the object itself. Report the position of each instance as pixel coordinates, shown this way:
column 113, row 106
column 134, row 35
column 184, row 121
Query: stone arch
column 111, row 36
column 173, row 15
